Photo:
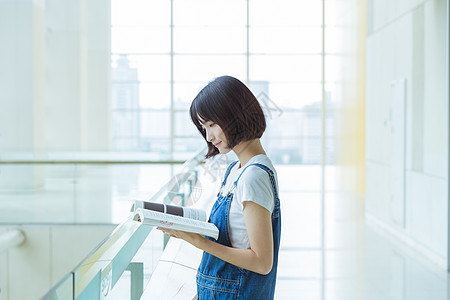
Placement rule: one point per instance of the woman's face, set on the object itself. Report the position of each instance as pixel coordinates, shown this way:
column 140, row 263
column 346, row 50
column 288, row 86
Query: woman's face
column 216, row 136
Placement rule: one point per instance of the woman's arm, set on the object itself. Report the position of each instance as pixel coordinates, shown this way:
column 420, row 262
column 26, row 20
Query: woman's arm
column 258, row 258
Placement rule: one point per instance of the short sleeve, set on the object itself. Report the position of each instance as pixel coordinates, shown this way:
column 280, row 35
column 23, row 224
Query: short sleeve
column 255, row 186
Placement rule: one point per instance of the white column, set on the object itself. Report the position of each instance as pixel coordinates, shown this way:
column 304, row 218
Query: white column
column 97, row 38
column 78, row 86
column 78, row 63
column 22, row 115
column 63, row 93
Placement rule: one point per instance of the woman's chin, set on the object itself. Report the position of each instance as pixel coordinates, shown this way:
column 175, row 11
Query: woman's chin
column 223, row 150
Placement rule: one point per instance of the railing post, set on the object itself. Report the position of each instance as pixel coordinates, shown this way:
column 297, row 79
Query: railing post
column 137, row 279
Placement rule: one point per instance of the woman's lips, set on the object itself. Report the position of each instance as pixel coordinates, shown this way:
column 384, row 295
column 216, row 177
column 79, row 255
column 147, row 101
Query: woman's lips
column 217, row 144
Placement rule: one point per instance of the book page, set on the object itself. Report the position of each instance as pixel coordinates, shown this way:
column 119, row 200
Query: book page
column 194, row 213
column 187, row 212
column 175, row 222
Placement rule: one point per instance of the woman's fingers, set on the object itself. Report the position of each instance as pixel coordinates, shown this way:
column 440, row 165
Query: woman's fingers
column 169, row 232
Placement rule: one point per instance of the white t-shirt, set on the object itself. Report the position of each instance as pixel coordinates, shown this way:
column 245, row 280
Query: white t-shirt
column 254, row 185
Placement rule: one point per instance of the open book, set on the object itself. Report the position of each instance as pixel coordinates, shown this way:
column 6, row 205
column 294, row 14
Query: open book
column 174, row 217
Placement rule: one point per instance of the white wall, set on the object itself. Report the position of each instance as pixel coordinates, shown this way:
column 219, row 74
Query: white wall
column 49, row 253
column 407, row 122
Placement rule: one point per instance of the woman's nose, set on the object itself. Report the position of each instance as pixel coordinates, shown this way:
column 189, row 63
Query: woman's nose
column 209, row 136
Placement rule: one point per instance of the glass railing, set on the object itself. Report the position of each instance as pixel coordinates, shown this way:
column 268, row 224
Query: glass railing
column 122, row 264
column 77, row 188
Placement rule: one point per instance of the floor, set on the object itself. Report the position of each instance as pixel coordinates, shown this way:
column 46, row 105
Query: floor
column 330, row 252
column 327, row 249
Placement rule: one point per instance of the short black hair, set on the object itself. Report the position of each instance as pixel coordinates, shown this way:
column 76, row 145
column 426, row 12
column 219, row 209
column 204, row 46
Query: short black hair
column 230, row 104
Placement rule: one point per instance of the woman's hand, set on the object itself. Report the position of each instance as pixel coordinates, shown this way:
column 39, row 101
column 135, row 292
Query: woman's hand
column 258, row 258
column 192, row 238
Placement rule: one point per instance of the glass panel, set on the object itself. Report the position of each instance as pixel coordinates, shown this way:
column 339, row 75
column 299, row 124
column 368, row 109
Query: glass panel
column 282, row 151
column 333, row 14
column 334, row 65
column 159, row 145
column 287, row 84
column 311, row 151
column 184, row 93
column 135, row 181
column 126, row 144
column 190, row 68
column 140, row 13
column 81, row 193
column 332, row 95
column 294, row 150
column 154, row 95
column 186, row 148
column 140, row 40
column 311, row 123
column 210, row 40
column 184, row 125
column 302, row 210
column 287, row 95
column 297, row 177
column 285, row 13
column 63, row 290
column 302, row 263
column 151, row 67
column 331, row 123
column 149, row 254
column 296, row 124
column 330, row 150
column 333, row 37
column 285, row 126
column 291, row 40
column 210, row 12
column 155, row 124
column 125, row 95
column 123, row 69
column 126, row 123
column 37, row 193
column 286, row 68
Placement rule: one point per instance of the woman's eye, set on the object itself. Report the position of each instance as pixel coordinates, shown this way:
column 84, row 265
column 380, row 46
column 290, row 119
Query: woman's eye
column 212, row 124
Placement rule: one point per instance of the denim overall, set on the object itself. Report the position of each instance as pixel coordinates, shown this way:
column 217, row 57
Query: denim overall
column 217, row 279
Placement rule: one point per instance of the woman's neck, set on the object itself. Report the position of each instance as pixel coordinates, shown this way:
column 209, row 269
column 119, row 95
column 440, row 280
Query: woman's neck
column 246, row 150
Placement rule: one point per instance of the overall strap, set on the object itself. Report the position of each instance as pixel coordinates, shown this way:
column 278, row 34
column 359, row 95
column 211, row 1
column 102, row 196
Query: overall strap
column 271, row 176
column 226, row 175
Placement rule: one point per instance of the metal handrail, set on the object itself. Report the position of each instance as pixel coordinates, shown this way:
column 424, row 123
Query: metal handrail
column 90, row 157
column 11, row 239
column 85, row 162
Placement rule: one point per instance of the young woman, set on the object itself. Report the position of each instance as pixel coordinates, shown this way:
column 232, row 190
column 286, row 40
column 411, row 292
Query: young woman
column 242, row 263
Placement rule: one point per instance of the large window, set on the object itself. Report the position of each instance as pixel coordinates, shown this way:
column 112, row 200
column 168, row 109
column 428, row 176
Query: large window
column 164, row 51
